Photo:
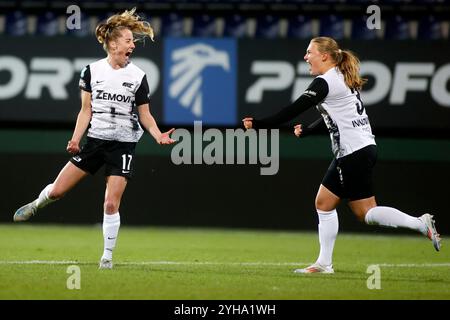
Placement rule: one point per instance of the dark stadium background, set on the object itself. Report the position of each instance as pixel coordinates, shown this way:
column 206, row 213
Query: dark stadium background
column 412, row 129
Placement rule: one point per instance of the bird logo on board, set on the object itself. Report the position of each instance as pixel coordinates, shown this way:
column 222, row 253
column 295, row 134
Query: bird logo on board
column 200, row 81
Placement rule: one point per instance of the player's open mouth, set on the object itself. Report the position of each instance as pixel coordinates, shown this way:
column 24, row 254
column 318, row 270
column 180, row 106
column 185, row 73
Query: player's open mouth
column 127, row 57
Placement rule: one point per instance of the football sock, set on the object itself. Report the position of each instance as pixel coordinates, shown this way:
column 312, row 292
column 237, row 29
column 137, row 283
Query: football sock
column 111, row 224
column 328, row 230
column 43, row 198
column 391, row 217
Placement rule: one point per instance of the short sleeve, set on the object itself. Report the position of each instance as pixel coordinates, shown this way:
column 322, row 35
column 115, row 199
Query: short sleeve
column 85, row 79
column 143, row 93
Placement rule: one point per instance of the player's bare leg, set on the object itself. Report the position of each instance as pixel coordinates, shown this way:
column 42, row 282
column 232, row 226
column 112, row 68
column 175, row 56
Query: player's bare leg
column 115, row 187
column 68, row 177
column 362, row 206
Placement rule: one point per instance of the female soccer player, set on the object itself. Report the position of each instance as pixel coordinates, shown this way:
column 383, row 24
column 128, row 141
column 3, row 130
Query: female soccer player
column 335, row 92
column 111, row 90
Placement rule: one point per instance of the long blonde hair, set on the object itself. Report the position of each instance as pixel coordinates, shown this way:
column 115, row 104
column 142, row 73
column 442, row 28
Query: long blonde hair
column 347, row 62
column 109, row 30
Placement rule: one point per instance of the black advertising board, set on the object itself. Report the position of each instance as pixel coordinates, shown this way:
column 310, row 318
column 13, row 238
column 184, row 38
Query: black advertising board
column 408, row 87
column 39, row 76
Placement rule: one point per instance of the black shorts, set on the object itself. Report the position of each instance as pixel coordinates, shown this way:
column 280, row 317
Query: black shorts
column 350, row 177
column 118, row 157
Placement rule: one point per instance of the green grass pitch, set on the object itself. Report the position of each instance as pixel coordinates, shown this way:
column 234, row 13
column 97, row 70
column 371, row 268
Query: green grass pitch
column 212, row 264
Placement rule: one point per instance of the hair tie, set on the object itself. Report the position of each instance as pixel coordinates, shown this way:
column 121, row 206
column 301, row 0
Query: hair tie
column 340, row 51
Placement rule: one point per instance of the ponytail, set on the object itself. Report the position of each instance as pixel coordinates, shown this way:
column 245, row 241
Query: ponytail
column 349, row 66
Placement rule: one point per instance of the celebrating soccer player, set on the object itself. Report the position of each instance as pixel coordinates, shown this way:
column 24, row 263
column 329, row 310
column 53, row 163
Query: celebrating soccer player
column 112, row 89
column 335, row 92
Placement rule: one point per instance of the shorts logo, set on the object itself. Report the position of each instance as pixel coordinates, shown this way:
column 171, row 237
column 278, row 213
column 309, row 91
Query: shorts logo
column 77, row 158
column 127, row 84
column 199, row 80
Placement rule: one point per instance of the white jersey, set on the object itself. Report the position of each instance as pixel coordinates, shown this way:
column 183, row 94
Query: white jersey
column 344, row 115
column 114, row 96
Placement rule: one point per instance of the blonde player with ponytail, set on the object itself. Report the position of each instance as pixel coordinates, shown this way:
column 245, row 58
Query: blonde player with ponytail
column 335, row 93
column 114, row 112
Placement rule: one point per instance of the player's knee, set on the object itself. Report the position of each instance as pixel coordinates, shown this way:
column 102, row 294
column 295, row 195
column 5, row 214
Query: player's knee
column 324, row 205
column 111, row 206
column 360, row 212
column 360, row 216
column 56, row 194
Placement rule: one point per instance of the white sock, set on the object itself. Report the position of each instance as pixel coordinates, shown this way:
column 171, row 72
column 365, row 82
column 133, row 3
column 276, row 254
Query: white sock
column 328, row 230
column 111, row 224
column 391, row 217
column 43, row 198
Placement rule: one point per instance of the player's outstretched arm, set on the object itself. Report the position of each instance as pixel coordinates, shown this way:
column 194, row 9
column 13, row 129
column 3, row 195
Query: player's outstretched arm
column 149, row 123
column 83, row 119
